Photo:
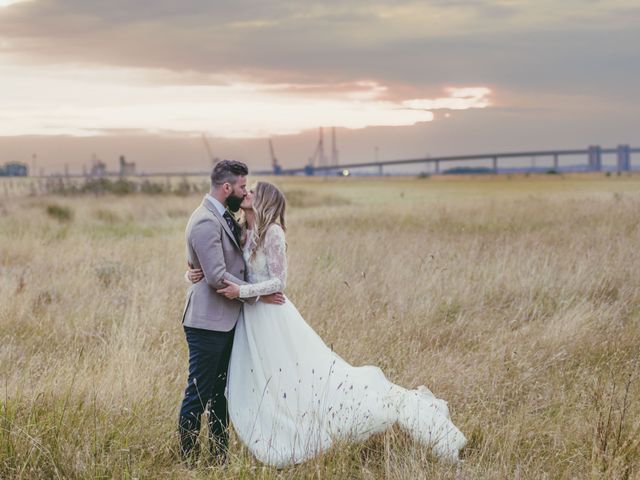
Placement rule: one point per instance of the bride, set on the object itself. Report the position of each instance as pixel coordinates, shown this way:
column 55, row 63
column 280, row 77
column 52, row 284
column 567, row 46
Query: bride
column 290, row 396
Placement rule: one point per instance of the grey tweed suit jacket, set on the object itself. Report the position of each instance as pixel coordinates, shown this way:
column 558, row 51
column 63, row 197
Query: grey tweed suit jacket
column 212, row 247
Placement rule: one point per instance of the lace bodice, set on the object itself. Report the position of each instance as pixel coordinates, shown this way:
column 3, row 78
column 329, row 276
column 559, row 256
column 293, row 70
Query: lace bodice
column 267, row 272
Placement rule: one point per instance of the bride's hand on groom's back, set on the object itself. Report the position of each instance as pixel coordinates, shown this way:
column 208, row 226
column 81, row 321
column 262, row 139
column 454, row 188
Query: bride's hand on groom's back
column 194, row 275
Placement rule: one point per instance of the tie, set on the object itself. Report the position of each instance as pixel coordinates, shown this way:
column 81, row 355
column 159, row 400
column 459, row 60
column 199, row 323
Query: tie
column 231, row 223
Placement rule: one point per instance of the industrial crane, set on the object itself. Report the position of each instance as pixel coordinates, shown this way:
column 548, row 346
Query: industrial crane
column 334, row 148
column 207, row 147
column 319, row 159
column 277, row 169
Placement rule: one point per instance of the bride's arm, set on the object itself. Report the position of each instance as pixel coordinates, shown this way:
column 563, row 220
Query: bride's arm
column 275, row 251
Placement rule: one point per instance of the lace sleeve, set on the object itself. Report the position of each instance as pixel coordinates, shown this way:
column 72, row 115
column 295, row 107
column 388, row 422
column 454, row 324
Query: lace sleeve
column 274, row 248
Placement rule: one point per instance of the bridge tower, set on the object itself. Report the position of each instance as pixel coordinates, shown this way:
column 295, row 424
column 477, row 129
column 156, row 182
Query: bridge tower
column 595, row 158
column 624, row 158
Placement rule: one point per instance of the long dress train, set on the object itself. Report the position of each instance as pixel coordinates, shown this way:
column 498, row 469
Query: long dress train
column 291, row 397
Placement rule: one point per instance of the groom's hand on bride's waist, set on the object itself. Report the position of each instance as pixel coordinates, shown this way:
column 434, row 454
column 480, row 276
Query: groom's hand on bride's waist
column 274, row 298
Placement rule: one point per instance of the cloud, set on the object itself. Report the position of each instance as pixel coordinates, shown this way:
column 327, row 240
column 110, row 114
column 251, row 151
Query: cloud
column 96, row 102
column 458, row 99
column 533, row 45
column 250, row 68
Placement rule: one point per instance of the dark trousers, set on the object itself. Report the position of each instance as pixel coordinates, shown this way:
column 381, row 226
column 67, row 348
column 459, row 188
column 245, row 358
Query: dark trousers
column 209, row 354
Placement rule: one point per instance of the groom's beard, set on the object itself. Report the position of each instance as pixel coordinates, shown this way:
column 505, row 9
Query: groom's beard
column 234, row 202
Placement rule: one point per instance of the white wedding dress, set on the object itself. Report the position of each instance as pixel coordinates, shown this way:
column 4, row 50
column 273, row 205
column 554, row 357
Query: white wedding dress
column 290, row 397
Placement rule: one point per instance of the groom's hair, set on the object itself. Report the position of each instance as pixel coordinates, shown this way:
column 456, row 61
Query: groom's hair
column 228, row 171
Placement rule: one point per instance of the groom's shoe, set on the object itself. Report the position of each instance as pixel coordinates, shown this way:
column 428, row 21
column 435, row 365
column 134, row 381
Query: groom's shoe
column 190, row 458
column 218, row 448
column 217, row 460
column 189, row 448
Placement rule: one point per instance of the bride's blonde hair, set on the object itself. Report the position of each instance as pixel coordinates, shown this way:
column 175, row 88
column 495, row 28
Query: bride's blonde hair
column 269, row 206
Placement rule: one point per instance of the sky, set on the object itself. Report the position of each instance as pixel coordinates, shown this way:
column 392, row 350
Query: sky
column 398, row 79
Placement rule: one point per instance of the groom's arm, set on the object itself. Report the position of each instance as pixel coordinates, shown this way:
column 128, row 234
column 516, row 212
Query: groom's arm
column 206, row 241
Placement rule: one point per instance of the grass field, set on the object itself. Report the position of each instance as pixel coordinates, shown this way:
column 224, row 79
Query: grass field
column 515, row 299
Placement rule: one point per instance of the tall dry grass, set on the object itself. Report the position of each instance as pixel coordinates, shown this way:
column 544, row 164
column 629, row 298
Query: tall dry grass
column 516, row 300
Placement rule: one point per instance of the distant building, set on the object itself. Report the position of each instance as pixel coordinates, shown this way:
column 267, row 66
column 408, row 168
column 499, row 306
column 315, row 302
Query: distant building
column 14, row 170
column 126, row 168
column 98, row 168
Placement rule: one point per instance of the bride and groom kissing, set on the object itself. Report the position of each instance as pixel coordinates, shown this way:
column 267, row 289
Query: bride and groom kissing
column 254, row 360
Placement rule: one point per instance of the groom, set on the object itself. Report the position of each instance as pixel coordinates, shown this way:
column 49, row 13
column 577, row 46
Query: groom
column 209, row 319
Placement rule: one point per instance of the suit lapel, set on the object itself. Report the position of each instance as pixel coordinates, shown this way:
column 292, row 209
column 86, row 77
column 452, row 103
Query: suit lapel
column 222, row 221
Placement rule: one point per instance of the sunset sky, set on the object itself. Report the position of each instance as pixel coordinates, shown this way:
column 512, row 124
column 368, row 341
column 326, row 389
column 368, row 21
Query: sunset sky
column 147, row 78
